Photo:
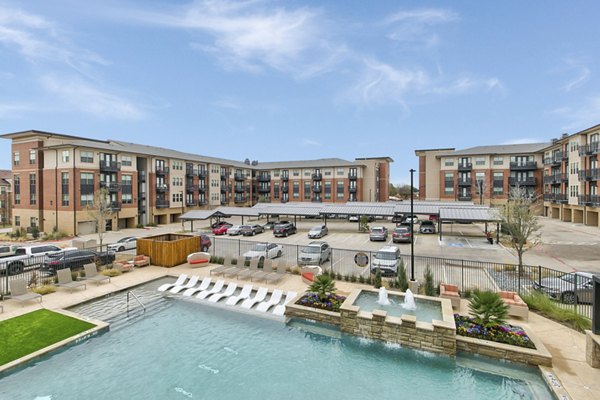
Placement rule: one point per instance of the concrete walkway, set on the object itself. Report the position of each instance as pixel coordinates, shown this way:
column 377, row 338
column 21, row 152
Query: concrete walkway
column 566, row 346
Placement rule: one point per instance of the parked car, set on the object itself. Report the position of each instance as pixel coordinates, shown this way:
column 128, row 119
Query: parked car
column 401, row 234
column 563, row 287
column 397, row 219
column 205, row 243
column 7, row 250
column 76, row 259
column 284, row 229
column 410, row 219
column 264, row 250
column 353, row 218
column 316, row 253
column 386, row 260
column 221, row 230
column 127, row 243
column 378, row 233
column 251, row 230
column 27, row 256
column 218, row 224
column 317, row 232
column 271, row 224
column 427, row 227
column 234, row 230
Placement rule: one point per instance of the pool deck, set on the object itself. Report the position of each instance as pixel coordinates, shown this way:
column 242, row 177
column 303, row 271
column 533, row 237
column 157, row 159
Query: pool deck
column 567, row 347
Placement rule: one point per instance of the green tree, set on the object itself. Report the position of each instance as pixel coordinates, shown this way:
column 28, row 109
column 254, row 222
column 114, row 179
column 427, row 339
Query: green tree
column 377, row 280
column 402, row 282
column 363, row 224
column 323, row 285
column 488, row 308
column 520, row 220
column 393, row 190
column 429, row 286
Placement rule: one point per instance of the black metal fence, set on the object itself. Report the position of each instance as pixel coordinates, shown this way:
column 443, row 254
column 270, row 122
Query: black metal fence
column 468, row 275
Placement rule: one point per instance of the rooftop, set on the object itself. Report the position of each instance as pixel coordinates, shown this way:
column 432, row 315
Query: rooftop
column 525, row 148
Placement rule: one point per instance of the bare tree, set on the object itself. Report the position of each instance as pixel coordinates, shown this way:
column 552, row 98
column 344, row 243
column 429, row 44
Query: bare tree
column 520, row 220
column 100, row 211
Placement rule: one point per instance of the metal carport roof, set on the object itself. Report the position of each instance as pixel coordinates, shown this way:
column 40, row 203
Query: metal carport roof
column 479, row 214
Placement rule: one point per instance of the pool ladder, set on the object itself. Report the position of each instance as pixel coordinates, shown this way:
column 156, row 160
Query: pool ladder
column 129, row 292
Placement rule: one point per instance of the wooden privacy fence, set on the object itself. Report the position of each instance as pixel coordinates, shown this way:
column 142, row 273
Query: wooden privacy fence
column 168, row 250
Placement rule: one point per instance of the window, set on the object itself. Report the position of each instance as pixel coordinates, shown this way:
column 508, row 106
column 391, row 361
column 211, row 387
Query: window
column 177, row 197
column 340, row 190
column 296, row 189
column 65, row 188
column 498, row 160
column 327, row 172
column 32, row 189
column 126, row 161
column 498, row 183
column 65, row 156
column 295, row 172
column 276, row 190
column 306, row 190
column 17, row 220
column 31, row 156
column 340, row 172
column 33, row 222
column 480, row 161
column 574, row 144
column 87, row 199
column 16, row 158
column 448, row 162
column 307, row 173
column 86, row 157
column 276, row 173
column 17, row 189
column 449, row 183
column 327, row 189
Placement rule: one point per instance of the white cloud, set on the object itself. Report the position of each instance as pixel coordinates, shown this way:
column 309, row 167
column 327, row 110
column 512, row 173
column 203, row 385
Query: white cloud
column 581, row 116
column 83, row 96
column 14, row 110
column 310, row 142
column 582, row 75
column 415, row 26
column 229, row 104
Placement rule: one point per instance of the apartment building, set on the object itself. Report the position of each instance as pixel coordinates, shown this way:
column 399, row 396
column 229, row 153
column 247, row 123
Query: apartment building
column 55, row 177
column 5, row 196
column 571, row 175
column 483, row 174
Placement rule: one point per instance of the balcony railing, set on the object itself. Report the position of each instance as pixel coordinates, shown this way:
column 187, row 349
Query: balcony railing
column 224, row 176
column 589, row 149
column 285, row 178
column 109, row 166
column 589, row 199
column 555, row 179
column 191, row 171
column 162, row 170
column 142, row 176
column 285, row 189
column 201, row 189
column 190, row 203
column 317, row 177
column 264, row 189
column 465, row 166
column 223, row 189
column 523, row 165
column 201, row 173
column 521, row 182
column 239, row 176
column 589, row 174
column 240, row 199
column 161, row 203
column 190, row 188
column 162, row 188
column 317, row 188
column 465, row 182
column 202, row 202
column 263, row 178
column 352, row 176
column 114, row 206
column 556, row 197
column 239, row 189
column 466, row 197
column 224, row 202
column 111, row 187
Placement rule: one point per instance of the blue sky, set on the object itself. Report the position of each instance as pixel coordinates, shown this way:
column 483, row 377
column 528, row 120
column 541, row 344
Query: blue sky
column 288, row 80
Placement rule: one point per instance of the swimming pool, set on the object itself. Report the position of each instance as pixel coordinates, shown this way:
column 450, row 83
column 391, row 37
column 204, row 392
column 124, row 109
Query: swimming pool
column 187, row 350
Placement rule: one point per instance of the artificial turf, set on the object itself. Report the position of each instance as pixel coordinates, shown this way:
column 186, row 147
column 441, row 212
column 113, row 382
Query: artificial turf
column 31, row 332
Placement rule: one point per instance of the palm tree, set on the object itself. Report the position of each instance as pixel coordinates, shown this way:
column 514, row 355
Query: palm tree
column 488, row 308
column 322, row 285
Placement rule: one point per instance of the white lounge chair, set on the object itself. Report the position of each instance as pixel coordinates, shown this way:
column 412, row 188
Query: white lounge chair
column 245, row 293
column 261, row 294
column 280, row 309
column 65, row 279
column 275, row 299
column 19, row 292
column 203, row 286
column 182, row 278
column 190, row 284
column 215, row 289
column 91, row 273
column 228, row 292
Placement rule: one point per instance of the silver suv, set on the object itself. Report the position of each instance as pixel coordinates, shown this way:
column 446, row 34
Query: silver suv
column 316, row 253
column 378, row 233
column 387, row 260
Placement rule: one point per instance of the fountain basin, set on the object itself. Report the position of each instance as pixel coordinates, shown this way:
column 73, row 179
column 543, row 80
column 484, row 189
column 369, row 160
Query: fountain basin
column 426, row 310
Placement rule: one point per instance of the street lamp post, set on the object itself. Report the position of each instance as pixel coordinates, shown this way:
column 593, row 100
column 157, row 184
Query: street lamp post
column 413, row 284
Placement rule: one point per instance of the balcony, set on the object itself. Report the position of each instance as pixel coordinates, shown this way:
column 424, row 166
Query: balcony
column 224, row 202
column 316, row 188
column 465, row 182
column 589, row 200
column 264, row 189
column 161, row 203
column 223, row 189
column 465, row 166
column 114, row 206
column 556, row 198
column 201, row 174
column 190, row 203
column 239, row 189
column 202, row 189
column 317, row 177
column 240, row 199
column 352, row 176
column 111, row 187
column 589, row 149
column 190, row 172
column 142, row 176
column 162, row 188
column 141, row 196
column 523, row 165
column 224, row 176
column 162, row 170
column 109, row 166
column 466, row 197
column 285, row 178
column 285, row 189
column 352, row 189
column 263, row 178
column 202, row 202
column 190, row 188
column 589, row 174
column 521, row 182
column 239, row 177
column 554, row 179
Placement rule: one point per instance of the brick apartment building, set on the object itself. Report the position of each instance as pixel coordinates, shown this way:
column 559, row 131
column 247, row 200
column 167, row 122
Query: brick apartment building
column 5, row 197
column 55, row 177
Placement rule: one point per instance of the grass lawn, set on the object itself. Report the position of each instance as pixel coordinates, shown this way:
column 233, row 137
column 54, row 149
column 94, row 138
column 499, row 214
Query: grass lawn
column 28, row 333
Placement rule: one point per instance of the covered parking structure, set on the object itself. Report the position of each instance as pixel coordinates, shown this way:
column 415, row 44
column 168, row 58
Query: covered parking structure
column 220, row 212
column 468, row 215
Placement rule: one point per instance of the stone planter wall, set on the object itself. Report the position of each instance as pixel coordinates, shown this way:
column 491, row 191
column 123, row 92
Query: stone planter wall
column 539, row 356
column 295, row 310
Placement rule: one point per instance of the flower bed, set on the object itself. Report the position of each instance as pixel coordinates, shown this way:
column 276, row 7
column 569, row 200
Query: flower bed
column 508, row 334
column 331, row 303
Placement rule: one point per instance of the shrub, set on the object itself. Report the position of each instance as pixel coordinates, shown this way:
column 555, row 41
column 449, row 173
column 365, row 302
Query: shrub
column 55, row 235
column 45, row 289
column 35, row 232
column 234, row 261
column 74, row 275
column 377, row 279
column 338, row 276
column 467, row 293
column 363, row 224
column 369, row 280
column 488, row 308
column 547, row 307
column 509, row 334
column 429, row 287
column 402, row 282
column 140, row 226
column 322, row 286
column 112, row 272
column 151, row 224
column 296, row 271
column 361, row 279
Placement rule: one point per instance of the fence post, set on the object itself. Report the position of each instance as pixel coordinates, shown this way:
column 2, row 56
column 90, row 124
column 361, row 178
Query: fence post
column 239, row 245
column 539, row 276
column 520, row 269
column 575, row 292
column 462, row 274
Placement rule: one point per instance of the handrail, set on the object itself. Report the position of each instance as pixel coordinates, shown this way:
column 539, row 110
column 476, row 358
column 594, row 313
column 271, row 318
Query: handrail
column 135, row 297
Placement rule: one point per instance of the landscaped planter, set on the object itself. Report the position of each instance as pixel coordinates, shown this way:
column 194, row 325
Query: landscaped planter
column 538, row 356
column 299, row 311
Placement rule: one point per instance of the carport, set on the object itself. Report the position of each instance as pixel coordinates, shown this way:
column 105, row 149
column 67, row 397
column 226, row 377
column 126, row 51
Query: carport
column 296, row 211
column 473, row 214
column 383, row 210
column 220, row 212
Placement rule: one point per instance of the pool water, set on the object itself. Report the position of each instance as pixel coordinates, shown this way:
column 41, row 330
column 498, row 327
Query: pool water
column 426, row 310
column 188, row 350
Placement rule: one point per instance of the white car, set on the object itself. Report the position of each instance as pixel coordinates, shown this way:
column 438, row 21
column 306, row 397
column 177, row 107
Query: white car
column 264, row 250
column 386, row 260
column 127, row 243
column 235, row 230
